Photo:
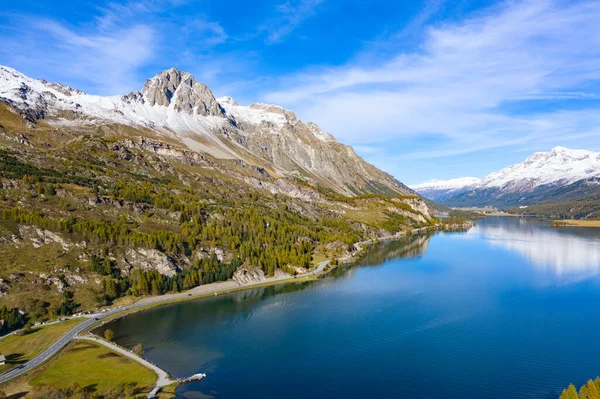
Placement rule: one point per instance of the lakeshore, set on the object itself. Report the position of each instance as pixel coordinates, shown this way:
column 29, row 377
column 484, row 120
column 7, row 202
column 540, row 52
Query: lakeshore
column 575, row 223
column 228, row 287
column 449, row 302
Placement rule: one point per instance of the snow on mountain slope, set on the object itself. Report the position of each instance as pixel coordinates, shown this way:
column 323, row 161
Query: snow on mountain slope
column 132, row 109
column 439, row 190
column 174, row 105
column 560, row 166
column 446, row 184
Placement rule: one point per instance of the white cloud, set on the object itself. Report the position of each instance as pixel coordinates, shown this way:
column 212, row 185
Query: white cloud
column 103, row 55
column 289, row 16
column 212, row 32
column 460, row 81
column 111, row 52
column 107, row 59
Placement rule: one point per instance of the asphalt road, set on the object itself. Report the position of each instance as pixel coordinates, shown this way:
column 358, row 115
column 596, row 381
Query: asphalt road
column 58, row 345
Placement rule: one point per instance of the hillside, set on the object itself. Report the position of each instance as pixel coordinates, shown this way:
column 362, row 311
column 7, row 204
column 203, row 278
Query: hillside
column 101, row 204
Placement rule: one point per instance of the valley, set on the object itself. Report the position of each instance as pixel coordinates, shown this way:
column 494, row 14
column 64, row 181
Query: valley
column 207, row 200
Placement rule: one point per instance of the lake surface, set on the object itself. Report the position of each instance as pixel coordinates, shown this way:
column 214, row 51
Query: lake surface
column 508, row 310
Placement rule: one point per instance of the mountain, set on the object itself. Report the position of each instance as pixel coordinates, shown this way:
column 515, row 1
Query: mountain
column 174, row 105
column 558, row 167
column 167, row 188
column 560, row 175
column 439, row 190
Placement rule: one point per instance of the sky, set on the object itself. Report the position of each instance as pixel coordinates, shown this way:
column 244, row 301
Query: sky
column 423, row 89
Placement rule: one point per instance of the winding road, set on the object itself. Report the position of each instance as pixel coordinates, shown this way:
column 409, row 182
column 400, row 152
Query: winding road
column 58, row 345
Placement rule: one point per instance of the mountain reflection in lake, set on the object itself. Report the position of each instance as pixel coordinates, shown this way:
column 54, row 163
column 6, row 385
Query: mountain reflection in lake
column 565, row 250
column 504, row 310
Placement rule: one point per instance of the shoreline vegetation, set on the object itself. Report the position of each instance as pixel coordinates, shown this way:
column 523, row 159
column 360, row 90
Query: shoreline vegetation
column 228, row 287
column 575, row 223
column 590, row 390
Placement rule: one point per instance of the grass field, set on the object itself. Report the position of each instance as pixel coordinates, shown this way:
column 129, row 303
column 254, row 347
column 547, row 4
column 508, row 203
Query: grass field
column 576, row 223
column 20, row 349
column 90, row 365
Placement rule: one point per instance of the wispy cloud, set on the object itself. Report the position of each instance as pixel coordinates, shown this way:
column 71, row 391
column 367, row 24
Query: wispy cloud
column 110, row 52
column 212, row 32
column 107, row 60
column 289, row 16
column 459, row 82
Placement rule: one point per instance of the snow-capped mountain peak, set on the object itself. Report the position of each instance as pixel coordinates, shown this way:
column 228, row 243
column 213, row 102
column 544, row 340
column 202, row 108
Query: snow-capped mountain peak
column 175, row 105
column 558, row 166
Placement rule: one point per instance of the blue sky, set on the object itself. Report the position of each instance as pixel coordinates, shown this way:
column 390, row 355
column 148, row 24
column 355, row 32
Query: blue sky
column 422, row 89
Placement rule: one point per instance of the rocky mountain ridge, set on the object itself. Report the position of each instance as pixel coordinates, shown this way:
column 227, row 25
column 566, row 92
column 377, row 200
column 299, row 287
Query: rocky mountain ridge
column 174, row 105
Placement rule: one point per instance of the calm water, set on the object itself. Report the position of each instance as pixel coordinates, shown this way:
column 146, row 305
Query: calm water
column 508, row 310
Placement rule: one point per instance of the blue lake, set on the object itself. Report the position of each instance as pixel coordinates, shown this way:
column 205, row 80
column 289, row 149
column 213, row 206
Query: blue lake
column 510, row 309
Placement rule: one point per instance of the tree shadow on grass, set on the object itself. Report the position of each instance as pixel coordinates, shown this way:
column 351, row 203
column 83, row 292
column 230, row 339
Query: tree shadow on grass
column 15, row 358
column 17, row 395
column 90, row 388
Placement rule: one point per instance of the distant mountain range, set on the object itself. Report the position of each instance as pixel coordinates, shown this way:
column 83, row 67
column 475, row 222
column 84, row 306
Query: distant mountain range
column 174, row 105
column 561, row 175
column 440, row 190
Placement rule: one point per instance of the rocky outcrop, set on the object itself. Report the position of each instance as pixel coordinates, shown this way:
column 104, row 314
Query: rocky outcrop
column 157, row 147
column 248, row 275
column 205, row 253
column 60, row 284
column 39, row 237
column 20, row 138
column 282, row 186
column 281, row 275
column 181, row 91
column 150, row 259
column 4, row 287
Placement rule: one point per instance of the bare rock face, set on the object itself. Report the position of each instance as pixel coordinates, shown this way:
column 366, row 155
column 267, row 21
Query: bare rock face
column 418, row 205
column 53, row 280
column 180, row 89
column 248, row 275
column 39, row 237
column 151, row 259
column 284, row 187
column 160, row 89
column 205, row 253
